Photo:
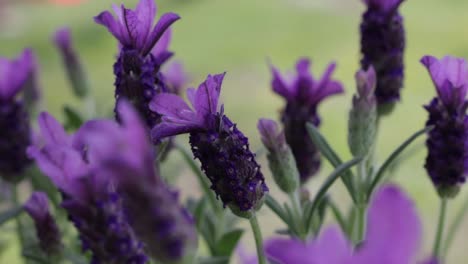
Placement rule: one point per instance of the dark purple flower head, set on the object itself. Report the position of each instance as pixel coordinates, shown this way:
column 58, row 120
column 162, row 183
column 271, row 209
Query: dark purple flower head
column 46, row 228
column 447, row 160
column 389, row 239
column 382, row 46
column 142, row 52
column 221, row 148
column 74, row 69
column 280, row 158
column 303, row 94
column 15, row 135
column 134, row 28
column 89, row 197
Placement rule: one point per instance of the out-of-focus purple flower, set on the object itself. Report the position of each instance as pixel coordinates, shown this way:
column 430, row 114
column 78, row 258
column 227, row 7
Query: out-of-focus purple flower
column 447, row 160
column 89, row 197
column 303, row 95
column 46, row 228
column 125, row 155
column 75, row 72
column 431, row 260
column 15, row 131
column 389, row 239
column 142, row 52
column 221, row 148
column 175, row 77
column 382, row 46
column 280, row 158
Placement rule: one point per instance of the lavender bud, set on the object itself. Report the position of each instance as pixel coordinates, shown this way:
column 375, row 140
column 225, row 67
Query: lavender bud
column 362, row 123
column 280, row 158
column 71, row 61
column 382, row 46
column 46, row 228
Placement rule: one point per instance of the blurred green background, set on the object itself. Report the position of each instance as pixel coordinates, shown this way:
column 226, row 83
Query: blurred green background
column 240, row 37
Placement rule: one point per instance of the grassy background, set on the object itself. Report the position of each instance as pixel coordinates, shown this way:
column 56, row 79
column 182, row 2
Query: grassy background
column 240, row 37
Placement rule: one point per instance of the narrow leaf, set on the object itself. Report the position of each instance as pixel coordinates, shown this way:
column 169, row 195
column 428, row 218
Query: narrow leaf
column 228, row 242
column 392, row 157
column 276, row 208
column 327, row 184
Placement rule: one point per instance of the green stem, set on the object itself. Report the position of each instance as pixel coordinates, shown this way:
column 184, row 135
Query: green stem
column 454, row 227
column 19, row 225
column 258, row 239
column 440, row 228
column 361, row 223
column 297, row 208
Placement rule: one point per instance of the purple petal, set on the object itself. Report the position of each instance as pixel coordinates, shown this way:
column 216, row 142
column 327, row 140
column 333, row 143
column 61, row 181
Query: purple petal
column 207, row 95
column 167, row 129
column 175, row 76
column 163, row 44
column 244, row 256
column 52, row 131
column 163, row 24
column 393, row 229
column 326, row 87
column 174, row 109
column 14, row 74
column 332, row 247
column 383, row 5
column 285, row 251
column 37, row 206
column 366, row 82
column 62, row 38
column 269, row 132
column 115, row 28
column 145, row 11
column 280, row 86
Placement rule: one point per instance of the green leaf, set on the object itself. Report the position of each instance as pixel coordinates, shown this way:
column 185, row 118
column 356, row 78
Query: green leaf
column 326, row 185
column 228, row 242
column 10, row 214
column 73, row 120
column 276, row 208
column 198, row 212
column 208, row 231
column 293, row 225
column 331, row 156
column 392, row 157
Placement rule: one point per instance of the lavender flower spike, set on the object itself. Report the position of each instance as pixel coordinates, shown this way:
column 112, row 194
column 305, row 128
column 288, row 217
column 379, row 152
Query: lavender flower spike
column 303, row 95
column 221, row 148
column 46, row 228
column 89, row 196
column 15, row 134
column 447, row 160
column 75, row 72
column 142, row 52
column 382, row 46
column 389, row 239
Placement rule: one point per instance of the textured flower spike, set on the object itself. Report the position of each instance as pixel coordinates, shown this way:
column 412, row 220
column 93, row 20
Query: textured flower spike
column 89, row 197
column 142, row 52
column 15, row 134
column 125, row 155
column 76, row 75
column 221, row 148
column 280, row 158
column 389, row 239
column 362, row 123
column 447, row 160
column 303, row 95
column 382, row 46
column 46, row 228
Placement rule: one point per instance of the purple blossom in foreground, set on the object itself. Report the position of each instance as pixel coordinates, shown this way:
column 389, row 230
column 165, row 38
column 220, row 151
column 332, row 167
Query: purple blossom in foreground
column 75, row 72
column 89, row 196
column 389, row 239
column 125, row 155
column 221, row 148
column 303, row 95
column 447, row 160
column 15, row 131
column 46, row 228
column 142, row 52
column 382, row 46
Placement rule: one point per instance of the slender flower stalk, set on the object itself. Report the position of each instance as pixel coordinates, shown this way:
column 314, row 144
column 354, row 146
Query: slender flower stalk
column 258, row 239
column 437, row 249
column 303, row 95
column 217, row 142
column 382, row 46
column 142, row 51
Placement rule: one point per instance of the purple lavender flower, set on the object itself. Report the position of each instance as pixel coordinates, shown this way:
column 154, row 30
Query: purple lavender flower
column 71, row 61
column 142, row 52
column 447, row 160
column 221, row 148
column 382, row 46
column 46, row 228
column 90, row 197
column 125, row 155
column 389, row 239
column 14, row 120
column 303, row 95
